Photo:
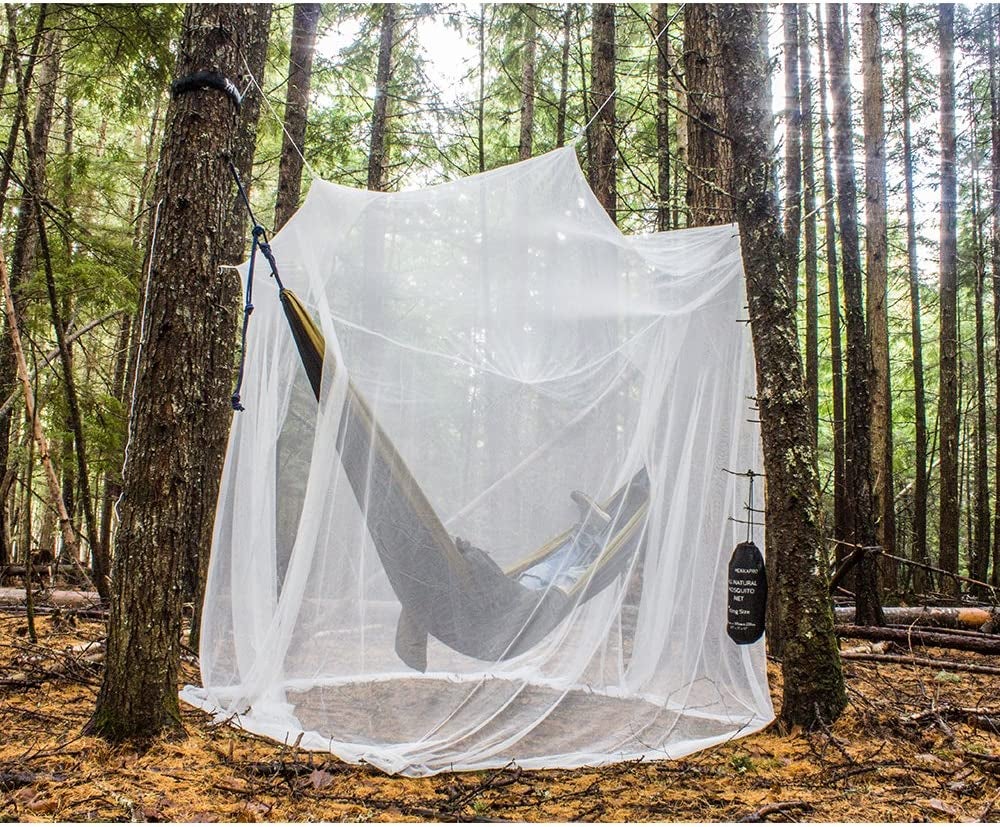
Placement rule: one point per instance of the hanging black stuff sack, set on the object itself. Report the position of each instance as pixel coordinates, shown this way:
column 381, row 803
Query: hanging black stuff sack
column 747, row 594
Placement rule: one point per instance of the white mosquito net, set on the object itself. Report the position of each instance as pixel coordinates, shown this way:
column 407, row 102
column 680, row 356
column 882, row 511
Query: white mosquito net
column 502, row 532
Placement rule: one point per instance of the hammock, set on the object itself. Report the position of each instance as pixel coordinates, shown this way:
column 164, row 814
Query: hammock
column 448, row 588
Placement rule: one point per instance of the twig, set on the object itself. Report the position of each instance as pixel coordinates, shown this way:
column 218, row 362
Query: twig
column 777, row 807
column 934, row 663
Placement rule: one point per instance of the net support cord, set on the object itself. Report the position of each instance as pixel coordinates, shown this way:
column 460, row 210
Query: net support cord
column 260, row 242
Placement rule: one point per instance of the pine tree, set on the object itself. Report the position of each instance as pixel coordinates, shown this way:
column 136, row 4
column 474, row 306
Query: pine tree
column 813, row 685
column 178, row 413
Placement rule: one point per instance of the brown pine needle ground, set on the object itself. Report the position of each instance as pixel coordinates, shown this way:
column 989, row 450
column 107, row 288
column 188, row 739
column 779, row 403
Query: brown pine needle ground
column 915, row 744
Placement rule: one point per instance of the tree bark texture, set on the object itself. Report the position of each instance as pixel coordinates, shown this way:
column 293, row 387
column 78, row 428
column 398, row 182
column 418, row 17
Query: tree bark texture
column 305, row 19
column 809, row 205
column 833, row 287
column 948, row 414
column 916, row 332
column 813, row 686
column 709, row 157
column 603, row 141
column 524, row 148
column 222, row 348
column 793, row 148
column 182, row 385
column 877, row 283
column 378, row 153
column 860, row 515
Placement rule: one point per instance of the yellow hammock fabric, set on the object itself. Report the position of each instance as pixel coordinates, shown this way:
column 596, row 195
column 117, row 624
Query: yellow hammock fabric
column 452, row 590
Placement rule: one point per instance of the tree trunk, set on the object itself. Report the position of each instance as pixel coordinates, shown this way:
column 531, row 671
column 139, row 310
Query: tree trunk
column 124, row 361
column 661, row 21
column 679, row 194
column 22, row 260
column 860, row 515
column 603, row 141
column 222, row 347
column 919, row 399
column 378, row 155
column 877, row 285
column 22, row 82
column 563, row 77
column 481, row 103
column 36, row 434
column 833, row 286
column 948, row 389
column 809, row 204
column 179, row 414
column 979, row 557
column 305, row 18
column 99, row 557
column 793, row 148
column 524, row 147
column 995, row 210
column 709, row 158
column 813, row 685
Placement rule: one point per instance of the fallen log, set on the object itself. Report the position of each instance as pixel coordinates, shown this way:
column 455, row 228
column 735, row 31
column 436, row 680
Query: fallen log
column 985, row 644
column 963, row 617
column 61, row 598
column 932, row 663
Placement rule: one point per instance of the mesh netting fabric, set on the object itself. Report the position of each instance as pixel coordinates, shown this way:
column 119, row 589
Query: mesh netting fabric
column 502, row 532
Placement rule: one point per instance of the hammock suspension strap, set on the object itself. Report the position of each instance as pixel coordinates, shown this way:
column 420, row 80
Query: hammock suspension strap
column 258, row 242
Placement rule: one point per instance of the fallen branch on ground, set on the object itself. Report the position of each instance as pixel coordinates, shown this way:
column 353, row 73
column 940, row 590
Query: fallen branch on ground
column 777, row 808
column 965, row 617
column 933, row 663
column 61, row 598
column 984, row 644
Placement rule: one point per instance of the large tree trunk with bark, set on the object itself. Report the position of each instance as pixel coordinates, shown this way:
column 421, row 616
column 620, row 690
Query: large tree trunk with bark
column 833, row 287
column 378, row 153
column 305, row 18
column 793, row 148
column 179, row 412
column 244, row 146
column 877, row 286
column 524, row 149
column 948, row 415
column 860, row 513
column 603, row 139
column 709, row 155
column 919, row 553
column 809, row 205
column 813, row 686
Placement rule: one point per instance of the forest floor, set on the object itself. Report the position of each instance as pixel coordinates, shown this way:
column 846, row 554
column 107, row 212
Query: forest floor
column 915, row 744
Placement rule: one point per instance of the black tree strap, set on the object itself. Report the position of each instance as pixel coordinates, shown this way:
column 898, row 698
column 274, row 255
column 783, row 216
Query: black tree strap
column 207, row 79
column 259, row 241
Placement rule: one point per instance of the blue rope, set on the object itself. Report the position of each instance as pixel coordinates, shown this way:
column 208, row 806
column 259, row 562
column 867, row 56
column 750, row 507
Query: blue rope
column 258, row 241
